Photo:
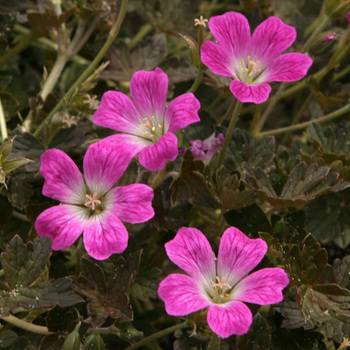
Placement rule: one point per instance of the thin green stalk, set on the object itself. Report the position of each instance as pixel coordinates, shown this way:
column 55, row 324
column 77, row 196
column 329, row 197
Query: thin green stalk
column 261, row 122
column 228, row 112
column 342, row 73
column 157, row 180
column 146, row 29
column 3, row 126
column 197, row 81
column 229, row 133
column 213, row 342
column 54, row 75
column 90, row 69
column 22, row 45
column 299, row 115
column 30, row 327
column 157, row 335
column 300, row 126
column 317, row 31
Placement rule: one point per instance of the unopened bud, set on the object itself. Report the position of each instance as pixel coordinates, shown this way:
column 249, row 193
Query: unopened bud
column 72, row 342
column 94, row 342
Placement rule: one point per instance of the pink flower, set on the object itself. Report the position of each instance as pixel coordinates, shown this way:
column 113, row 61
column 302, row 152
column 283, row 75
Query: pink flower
column 221, row 286
column 90, row 203
column 146, row 123
column 205, row 150
column 253, row 61
column 348, row 16
column 329, row 37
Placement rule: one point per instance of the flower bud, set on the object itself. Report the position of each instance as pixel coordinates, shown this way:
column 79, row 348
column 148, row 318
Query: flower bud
column 72, row 342
column 94, row 342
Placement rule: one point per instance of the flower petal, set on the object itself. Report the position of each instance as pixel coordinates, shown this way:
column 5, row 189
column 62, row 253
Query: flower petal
column 105, row 235
column 250, row 93
column 217, row 59
column 262, row 287
column 271, row 38
column 62, row 223
column 289, row 67
column 238, row 255
column 134, row 144
column 117, row 112
column 104, row 163
column 63, row 180
column 133, row 203
column 181, row 112
column 191, row 251
column 149, row 90
column 155, row 156
column 231, row 30
column 181, row 295
column 228, row 319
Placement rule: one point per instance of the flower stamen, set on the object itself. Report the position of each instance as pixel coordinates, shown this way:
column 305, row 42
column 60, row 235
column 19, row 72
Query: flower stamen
column 92, row 201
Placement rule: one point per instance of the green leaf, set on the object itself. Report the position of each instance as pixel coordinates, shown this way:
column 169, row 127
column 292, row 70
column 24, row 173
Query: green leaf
column 109, row 296
column 147, row 55
column 303, row 184
column 23, row 263
column 5, row 150
column 146, row 283
column 249, row 220
column 7, row 338
column 246, row 150
column 192, row 185
column 12, row 164
column 258, row 336
column 313, row 260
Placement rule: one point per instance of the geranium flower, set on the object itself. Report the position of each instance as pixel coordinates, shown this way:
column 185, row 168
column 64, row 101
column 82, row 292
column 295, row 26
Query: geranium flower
column 205, row 149
column 90, row 203
column 146, row 123
column 253, row 61
column 221, row 286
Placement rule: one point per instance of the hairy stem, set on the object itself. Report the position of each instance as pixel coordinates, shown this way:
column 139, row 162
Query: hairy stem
column 229, row 133
column 328, row 117
column 157, row 335
column 157, row 180
column 213, row 342
column 3, row 126
column 30, row 327
column 54, row 75
column 197, row 81
column 90, row 69
column 146, row 29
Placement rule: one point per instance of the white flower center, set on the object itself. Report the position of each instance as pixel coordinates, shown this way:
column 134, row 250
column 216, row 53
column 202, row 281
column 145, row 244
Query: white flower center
column 220, row 291
column 248, row 70
column 151, row 129
column 93, row 202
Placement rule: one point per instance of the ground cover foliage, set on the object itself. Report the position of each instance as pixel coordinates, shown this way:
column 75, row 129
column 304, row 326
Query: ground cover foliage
column 285, row 179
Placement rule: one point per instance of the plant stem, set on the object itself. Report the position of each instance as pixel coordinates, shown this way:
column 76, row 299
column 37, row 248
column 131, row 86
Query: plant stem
column 3, row 127
column 22, row 45
column 317, row 31
column 146, row 29
column 213, row 341
column 158, row 178
column 90, row 69
column 229, row 133
column 300, row 126
column 54, row 75
column 157, row 335
column 197, row 81
column 30, row 327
